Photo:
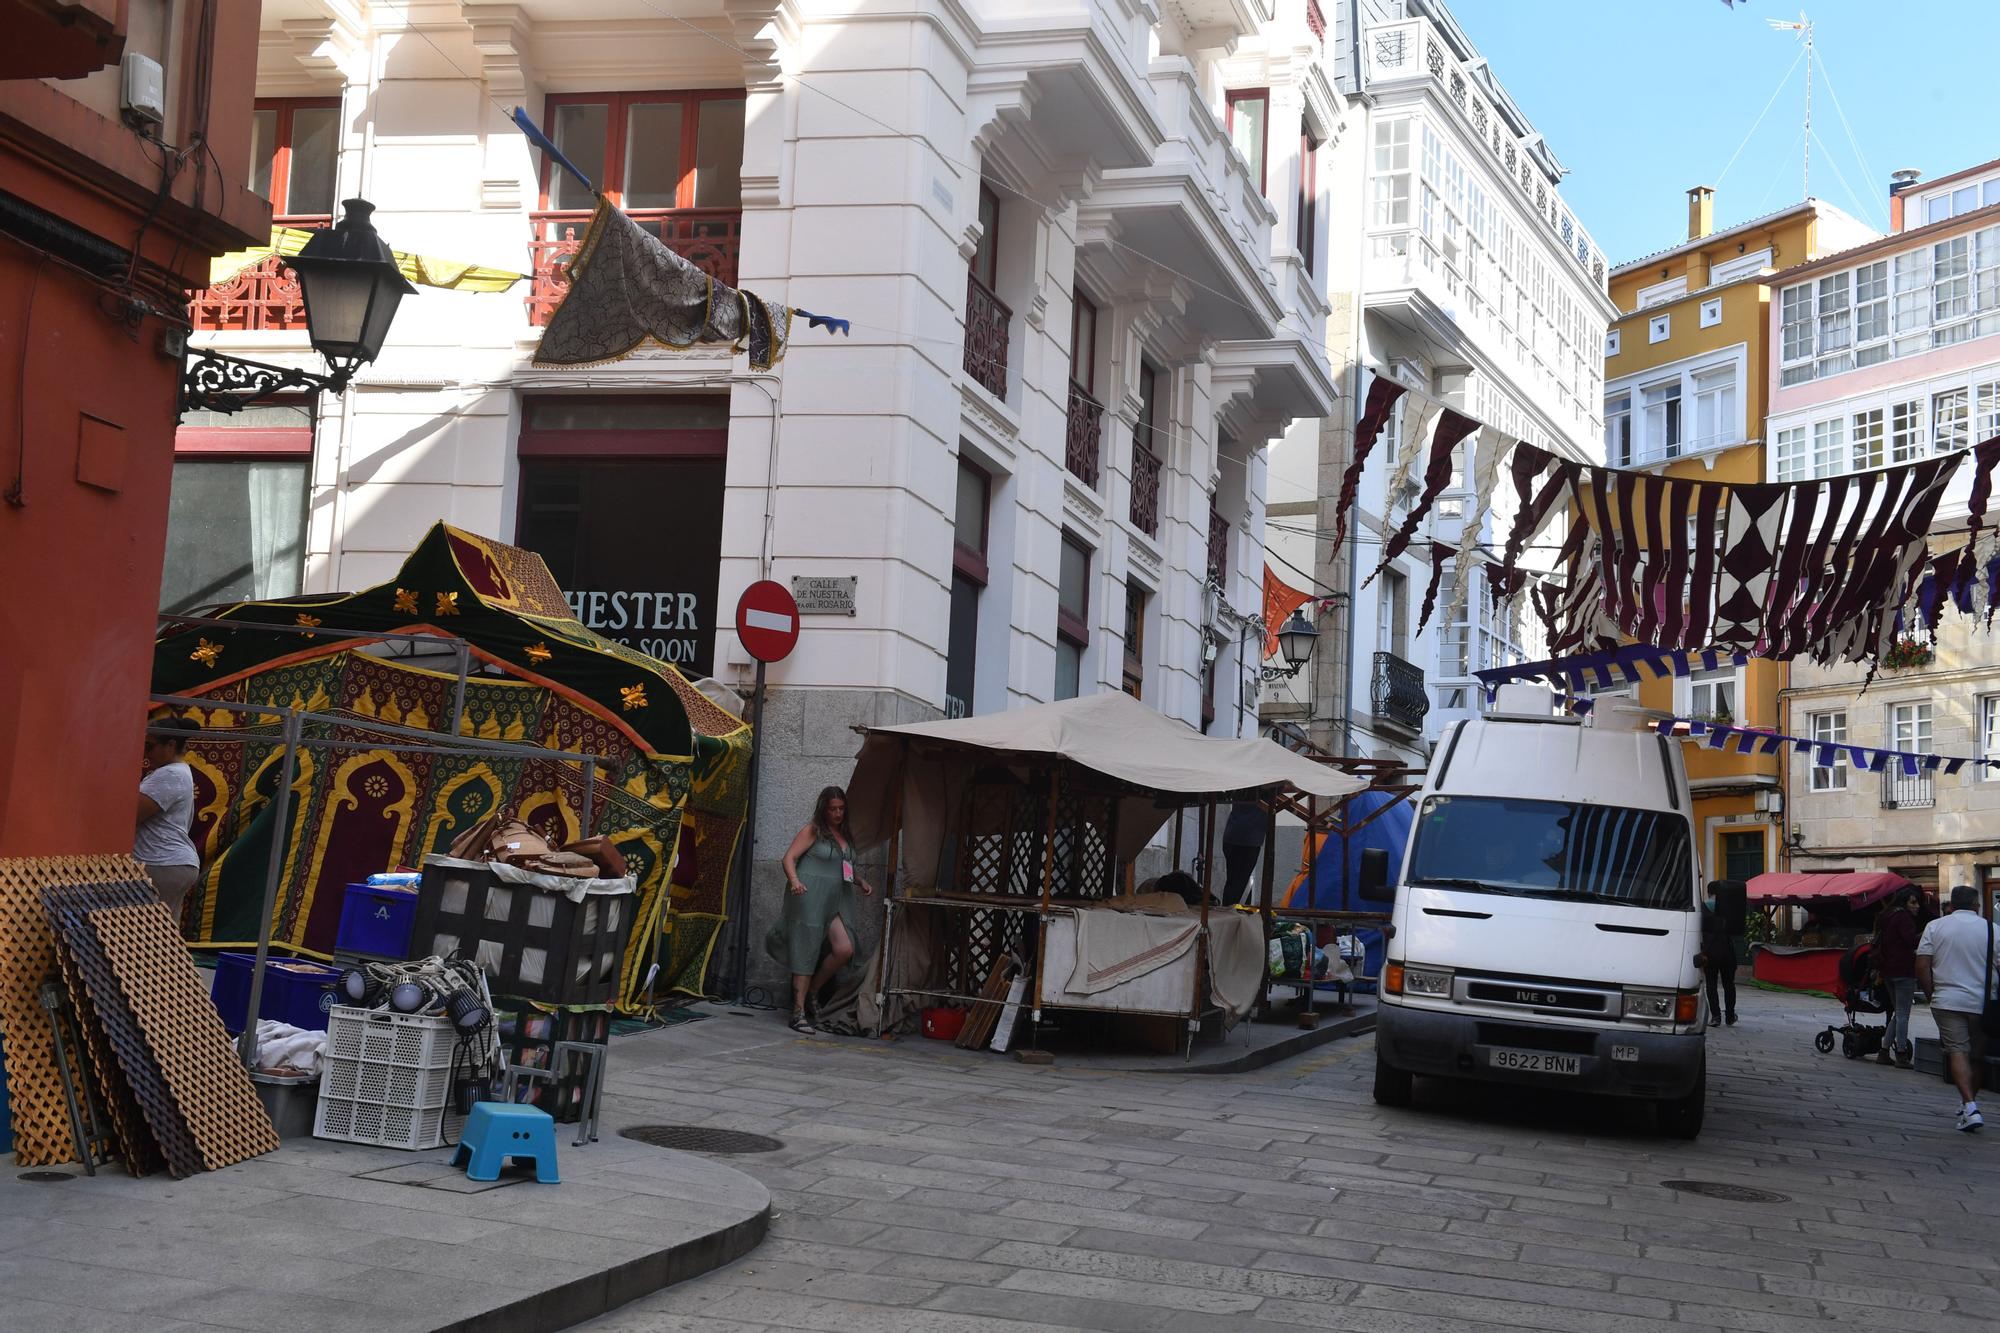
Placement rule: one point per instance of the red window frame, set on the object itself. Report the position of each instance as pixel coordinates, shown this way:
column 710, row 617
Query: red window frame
column 1074, row 626
column 1308, row 201
column 1146, row 423
column 1082, row 349
column 1231, row 98
column 618, row 105
column 586, row 445
column 965, row 560
column 986, row 259
column 1135, row 638
column 281, row 151
column 249, row 444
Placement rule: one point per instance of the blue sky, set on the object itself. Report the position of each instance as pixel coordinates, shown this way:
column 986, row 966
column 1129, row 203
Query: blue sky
column 1642, row 99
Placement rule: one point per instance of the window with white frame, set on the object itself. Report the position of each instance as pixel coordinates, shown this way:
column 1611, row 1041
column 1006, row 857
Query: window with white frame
column 1709, row 696
column 1906, row 431
column 1660, row 418
column 1868, row 438
column 1989, row 736
column 1711, row 312
column 1715, row 414
column 1951, row 290
column 1910, row 727
column 1929, row 297
column 1618, row 430
column 1659, row 328
column 1871, row 313
column 1829, row 447
column 1673, row 289
column 1788, row 450
column 1950, row 420
column 1611, row 342
column 1835, row 324
column 1392, row 173
column 1986, row 410
column 1948, row 204
column 1795, row 334
column 1910, row 302
column 1829, row 729
column 1740, row 267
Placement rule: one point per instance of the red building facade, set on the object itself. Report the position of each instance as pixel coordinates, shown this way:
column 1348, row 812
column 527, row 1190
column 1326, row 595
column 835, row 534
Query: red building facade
column 107, row 220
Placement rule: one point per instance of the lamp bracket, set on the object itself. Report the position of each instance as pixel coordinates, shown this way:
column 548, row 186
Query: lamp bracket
column 217, row 382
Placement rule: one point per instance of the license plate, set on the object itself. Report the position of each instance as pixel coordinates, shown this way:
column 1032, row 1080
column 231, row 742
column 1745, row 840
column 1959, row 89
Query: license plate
column 1535, row 1062
column 1629, row 1054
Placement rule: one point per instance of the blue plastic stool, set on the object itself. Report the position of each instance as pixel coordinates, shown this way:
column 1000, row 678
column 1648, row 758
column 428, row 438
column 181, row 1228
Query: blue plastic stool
column 496, row 1131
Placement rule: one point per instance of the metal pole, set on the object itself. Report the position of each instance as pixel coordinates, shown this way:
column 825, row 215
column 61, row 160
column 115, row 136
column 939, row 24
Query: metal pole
column 1308, row 1018
column 458, row 697
column 589, row 791
column 281, row 808
column 740, row 955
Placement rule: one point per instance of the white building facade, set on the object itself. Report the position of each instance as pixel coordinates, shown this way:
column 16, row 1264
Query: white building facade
column 1475, row 285
column 1084, row 297
column 1887, row 353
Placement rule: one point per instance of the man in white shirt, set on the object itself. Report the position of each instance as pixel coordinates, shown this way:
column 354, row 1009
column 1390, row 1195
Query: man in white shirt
column 166, row 811
column 1957, row 962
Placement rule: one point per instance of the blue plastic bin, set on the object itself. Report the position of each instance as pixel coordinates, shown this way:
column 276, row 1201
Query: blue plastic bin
column 377, row 919
column 295, row 991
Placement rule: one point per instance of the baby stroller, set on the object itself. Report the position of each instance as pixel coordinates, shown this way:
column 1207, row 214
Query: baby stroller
column 1863, row 991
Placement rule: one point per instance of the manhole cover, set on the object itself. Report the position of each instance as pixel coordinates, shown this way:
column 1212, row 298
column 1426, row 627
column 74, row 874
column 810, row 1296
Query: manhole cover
column 46, row 1177
column 1716, row 1189
column 699, row 1138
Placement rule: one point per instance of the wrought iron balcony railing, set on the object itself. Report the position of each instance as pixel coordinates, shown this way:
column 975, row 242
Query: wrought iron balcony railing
column 1083, row 443
column 1901, row 791
column 1398, row 694
column 709, row 238
column 986, row 321
column 1145, row 489
column 1218, row 543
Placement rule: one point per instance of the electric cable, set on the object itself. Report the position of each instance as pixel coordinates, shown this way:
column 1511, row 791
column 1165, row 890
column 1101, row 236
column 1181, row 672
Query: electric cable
column 1775, row 92
column 1853, row 140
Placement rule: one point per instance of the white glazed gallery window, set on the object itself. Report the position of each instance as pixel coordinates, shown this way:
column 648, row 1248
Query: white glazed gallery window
column 1906, row 431
column 1989, row 737
column 1829, row 447
column 1829, row 729
column 1835, row 324
column 1867, row 439
column 1618, row 429
column 1789, row 449
column 1392, row 174
column 1659, row 328
column 1871, row 313
column 1611, row 342
column 1715, row 415
column 1711, row 312
column 1795, row 334
column 1910, row 727
column 1710, row 696
column 1660, row 419
column 1950, row 421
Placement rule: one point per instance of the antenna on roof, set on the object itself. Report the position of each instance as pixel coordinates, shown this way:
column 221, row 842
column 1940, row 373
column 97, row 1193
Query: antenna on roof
column 1803, row 25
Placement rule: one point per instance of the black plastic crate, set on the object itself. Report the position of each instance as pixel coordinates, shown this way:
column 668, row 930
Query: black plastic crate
column 533, row 943
column 529, row 1036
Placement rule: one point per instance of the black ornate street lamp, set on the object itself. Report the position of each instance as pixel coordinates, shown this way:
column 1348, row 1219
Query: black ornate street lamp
column 350, row 285
column 1296, row 638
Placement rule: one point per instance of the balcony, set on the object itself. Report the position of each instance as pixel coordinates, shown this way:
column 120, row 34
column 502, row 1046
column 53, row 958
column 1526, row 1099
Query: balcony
column 1398, row 694
column 1218, row 544
column 709, row 238
column 1145, row 490
column 1083, row 442
column 986, row 321
column 262, row 298
column 1901, row 791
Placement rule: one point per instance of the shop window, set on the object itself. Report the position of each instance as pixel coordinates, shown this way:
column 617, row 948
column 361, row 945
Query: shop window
column 1135, row 640
column 648, row 150
column 294, row 146
column 236, row 518
column 1249, row 115
column 623, row 498
column 1072, row 612
column 968, row 581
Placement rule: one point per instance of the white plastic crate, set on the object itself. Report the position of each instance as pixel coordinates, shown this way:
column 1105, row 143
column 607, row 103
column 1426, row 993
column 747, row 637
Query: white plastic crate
column 388, row 1076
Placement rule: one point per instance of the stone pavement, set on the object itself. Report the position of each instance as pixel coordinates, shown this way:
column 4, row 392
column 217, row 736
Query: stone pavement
column 926, row 1190
column 346, row 1238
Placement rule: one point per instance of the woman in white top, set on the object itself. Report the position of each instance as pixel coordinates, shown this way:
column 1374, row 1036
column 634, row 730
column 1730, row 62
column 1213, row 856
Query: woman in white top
column 166, row 812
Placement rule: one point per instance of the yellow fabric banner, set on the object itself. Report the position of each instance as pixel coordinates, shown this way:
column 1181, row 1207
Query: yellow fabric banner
column 424, row 270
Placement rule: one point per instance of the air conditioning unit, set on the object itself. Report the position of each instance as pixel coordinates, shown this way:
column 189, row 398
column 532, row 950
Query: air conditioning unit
column 144, row 95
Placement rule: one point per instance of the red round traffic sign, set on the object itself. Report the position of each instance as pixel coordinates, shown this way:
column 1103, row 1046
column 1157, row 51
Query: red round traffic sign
column 767, row 621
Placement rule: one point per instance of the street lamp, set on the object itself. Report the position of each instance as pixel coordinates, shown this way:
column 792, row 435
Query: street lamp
column 1296, row 638
column 350, row 285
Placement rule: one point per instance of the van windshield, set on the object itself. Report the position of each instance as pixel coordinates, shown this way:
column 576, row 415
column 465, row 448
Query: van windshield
column 1554, row 849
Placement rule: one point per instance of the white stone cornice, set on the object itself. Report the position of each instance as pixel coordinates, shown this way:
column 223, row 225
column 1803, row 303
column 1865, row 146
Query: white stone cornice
column 335, row 45
column 765, row 30
column 500, row 36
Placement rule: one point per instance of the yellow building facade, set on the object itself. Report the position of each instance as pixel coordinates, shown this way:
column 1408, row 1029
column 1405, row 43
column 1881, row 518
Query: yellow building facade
column 1686, row 392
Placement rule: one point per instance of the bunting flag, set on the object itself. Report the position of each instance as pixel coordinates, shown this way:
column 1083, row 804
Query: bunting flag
column 1280, row 600
column 1609, row 668
column 1486, row 451
column 1383, row 394
column 1451, row 430
column 1440, row 552
column 423, row 270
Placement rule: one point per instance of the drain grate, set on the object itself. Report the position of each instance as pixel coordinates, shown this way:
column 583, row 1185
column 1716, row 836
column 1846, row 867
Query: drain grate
column 700, row 1138
column 45, row 1177
column 1716, row 1189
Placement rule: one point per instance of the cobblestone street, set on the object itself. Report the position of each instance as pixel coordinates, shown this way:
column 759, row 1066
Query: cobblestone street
column 925, row 1190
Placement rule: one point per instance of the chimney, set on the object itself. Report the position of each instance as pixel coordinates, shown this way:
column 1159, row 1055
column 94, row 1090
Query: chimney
column 1701, row 211
column 1900, row 183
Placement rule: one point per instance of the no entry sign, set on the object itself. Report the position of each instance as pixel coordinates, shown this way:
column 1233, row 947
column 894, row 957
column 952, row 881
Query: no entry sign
column 767, row 621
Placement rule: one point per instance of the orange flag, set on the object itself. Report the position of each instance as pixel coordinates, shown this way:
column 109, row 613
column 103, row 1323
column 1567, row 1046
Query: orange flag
column 1280, row 600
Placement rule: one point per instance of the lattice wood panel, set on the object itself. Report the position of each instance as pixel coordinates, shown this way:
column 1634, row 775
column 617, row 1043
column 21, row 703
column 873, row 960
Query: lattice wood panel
column 137, row 1147
column 164, row 1117
column 27, row 958
column 186, row 1036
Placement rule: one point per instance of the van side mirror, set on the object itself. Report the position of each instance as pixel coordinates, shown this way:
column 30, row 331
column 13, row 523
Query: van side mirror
column 1373, row 885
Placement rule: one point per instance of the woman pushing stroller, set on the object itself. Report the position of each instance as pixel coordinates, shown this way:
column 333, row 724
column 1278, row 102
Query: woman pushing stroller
column 1896, row 935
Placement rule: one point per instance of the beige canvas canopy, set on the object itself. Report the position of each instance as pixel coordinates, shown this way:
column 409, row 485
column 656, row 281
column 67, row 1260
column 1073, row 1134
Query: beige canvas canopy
column 1161, row 764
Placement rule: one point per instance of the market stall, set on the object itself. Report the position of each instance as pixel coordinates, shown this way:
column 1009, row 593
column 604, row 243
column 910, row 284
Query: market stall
column 1837, row 910
column 1018, row 833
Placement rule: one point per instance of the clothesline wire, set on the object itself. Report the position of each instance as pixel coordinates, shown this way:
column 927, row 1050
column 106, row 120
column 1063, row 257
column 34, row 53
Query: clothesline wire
column 1853, row 140
column 1775, row 92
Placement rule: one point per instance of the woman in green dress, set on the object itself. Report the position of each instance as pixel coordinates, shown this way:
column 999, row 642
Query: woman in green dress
column 821, row 874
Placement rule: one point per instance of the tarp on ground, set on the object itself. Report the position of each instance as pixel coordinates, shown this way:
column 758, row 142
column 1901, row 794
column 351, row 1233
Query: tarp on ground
column 1109, row 734
column 674, row 761
column 1336, row 866
column 1855, row 890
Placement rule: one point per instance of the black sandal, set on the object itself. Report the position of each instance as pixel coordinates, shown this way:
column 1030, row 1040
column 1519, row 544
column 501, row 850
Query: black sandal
column 802, row 1024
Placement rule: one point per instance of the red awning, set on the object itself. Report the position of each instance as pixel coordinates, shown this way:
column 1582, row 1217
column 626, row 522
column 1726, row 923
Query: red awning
column 1855, row 889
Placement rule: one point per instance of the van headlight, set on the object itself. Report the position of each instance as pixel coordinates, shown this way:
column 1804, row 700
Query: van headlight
column 1432, row 981
column 1649, row 1006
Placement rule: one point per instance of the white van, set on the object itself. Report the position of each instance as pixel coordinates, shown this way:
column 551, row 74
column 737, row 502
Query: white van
column 1549, row 916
